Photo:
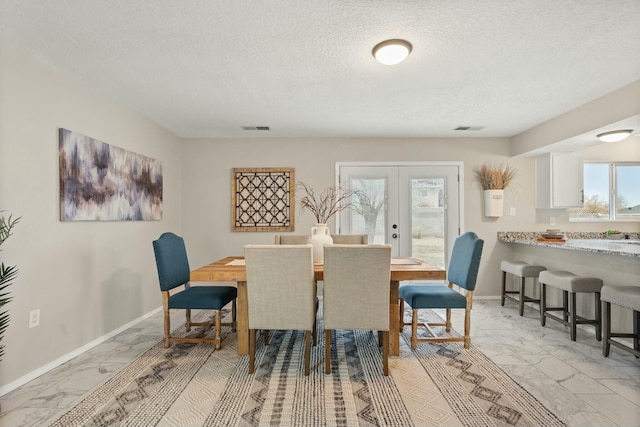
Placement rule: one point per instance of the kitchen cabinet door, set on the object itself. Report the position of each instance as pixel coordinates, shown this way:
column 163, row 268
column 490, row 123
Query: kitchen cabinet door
column 559, row 181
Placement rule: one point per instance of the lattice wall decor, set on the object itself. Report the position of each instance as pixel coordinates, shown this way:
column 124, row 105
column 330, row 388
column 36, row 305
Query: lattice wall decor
column 263, row 199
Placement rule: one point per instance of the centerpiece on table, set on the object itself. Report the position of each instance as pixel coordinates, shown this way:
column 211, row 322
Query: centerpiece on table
column 494, row 178
column 322, row 206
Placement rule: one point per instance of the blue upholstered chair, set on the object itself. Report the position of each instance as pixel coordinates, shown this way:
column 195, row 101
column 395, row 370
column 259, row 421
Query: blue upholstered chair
column 173, row 271
column 462, row 272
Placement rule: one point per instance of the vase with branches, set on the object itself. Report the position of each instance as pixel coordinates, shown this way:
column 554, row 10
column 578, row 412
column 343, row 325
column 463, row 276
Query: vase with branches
column 7, row 275
column 325, row 204
column 322, row 206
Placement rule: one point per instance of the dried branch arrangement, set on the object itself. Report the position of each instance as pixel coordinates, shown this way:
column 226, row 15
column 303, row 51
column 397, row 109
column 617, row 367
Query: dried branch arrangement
column 495, row 176
column 324, row 205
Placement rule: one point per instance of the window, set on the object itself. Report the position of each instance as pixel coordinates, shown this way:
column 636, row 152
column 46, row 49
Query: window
column 611, row 193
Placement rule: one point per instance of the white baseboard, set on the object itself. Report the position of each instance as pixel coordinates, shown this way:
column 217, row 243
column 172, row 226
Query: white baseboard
column 59, row 361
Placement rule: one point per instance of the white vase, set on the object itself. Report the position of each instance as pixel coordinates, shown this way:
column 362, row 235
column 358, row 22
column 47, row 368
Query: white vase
column 493, row 203
column 320, row 236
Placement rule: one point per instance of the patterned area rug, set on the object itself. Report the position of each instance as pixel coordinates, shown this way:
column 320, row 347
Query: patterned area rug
column 195, row 385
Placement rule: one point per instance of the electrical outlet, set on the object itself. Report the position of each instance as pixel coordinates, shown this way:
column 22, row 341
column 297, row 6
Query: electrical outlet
column 34, row 318
column 512, row 211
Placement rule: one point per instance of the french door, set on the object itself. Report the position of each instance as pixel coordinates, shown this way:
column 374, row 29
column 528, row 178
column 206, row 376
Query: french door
column 415, row 207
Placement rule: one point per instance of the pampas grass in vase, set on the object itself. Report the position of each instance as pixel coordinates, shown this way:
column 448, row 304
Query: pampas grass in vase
column 494, row 178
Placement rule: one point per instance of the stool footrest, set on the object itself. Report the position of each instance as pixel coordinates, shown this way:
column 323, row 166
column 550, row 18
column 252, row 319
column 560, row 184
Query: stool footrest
column 624, row 347
column 579, row 320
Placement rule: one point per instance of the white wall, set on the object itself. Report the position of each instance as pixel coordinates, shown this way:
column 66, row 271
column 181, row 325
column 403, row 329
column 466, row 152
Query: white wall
column 87, row 278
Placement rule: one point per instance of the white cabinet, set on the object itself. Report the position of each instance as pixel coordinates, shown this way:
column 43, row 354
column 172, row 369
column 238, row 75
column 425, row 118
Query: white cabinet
column 559, row 181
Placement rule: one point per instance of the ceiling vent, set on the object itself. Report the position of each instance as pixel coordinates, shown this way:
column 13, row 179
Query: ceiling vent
column 469, row 128
column 255, row 128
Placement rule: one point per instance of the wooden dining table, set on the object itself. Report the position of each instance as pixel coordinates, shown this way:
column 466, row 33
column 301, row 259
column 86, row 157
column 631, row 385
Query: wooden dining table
column 232, row 269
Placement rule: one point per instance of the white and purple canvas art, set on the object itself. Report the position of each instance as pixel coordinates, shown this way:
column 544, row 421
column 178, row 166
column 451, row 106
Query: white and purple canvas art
column 101, row 182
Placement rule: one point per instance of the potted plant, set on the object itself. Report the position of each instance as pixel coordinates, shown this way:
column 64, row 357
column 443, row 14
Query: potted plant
column 322, row 206
column 494, row 178
column 7, row 274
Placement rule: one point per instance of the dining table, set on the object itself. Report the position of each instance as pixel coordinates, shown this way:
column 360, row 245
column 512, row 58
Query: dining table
column 232, row 269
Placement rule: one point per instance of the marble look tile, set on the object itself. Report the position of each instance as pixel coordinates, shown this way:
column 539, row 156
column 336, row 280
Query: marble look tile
column 26, row 417
column 629, row 389
column 620, row 411
column 580, row 383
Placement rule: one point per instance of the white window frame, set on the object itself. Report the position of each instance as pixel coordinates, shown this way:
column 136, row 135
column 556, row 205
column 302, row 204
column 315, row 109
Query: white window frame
column 613, row 195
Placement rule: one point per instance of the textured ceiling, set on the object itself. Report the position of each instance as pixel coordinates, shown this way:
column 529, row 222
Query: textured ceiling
column 304, row 67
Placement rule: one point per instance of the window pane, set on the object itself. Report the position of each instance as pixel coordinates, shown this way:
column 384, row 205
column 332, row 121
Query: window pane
column 596, row 193
column 428, row 220
column 368, row 209
column 628, row 191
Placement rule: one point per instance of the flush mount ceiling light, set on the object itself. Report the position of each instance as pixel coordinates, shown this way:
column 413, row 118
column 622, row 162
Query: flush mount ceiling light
column 392, row 52
column 614, row 135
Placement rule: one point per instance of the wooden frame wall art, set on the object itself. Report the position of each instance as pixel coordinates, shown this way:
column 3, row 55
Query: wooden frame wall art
column 263, row 199
column 101, row 182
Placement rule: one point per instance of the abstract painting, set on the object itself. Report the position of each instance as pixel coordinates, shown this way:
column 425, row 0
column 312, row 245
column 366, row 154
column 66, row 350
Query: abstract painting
column 262, row 199
column 101, row 182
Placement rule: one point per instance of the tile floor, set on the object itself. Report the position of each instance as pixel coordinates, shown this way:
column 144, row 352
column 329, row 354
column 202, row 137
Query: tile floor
column 572, row 379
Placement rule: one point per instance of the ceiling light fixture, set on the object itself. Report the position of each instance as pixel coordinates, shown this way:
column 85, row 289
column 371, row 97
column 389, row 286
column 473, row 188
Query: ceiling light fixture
column 614, row 135
column 392, row 52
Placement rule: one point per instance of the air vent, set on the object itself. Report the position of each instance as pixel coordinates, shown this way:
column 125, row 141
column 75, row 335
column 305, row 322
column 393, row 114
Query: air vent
column 469, row 128
column 255, row 128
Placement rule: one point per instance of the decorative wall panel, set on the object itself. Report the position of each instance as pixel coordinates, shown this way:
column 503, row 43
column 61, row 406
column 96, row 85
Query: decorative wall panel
column 263, row 199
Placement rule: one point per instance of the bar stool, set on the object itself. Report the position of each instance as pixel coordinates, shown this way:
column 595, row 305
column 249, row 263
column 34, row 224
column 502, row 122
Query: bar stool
column 570, row 284
column 523, row 270
column 627, row 297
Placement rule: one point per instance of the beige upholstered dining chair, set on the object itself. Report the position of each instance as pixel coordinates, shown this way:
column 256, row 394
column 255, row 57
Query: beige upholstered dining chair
column 291, row 239
column 281, row 292
column 356, row 293
column 350, row 239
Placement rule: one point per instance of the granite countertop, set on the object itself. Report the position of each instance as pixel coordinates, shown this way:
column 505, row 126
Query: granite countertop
column 596, row 242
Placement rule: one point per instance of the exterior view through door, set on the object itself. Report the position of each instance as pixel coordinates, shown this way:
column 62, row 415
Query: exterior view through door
column 415, row 207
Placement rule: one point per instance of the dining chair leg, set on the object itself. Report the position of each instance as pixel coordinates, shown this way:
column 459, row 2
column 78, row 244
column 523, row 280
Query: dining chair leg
column 401, row 312
column 467, row 320
column 307, row 352
column 385, row 352
column 414, row 328
column 218, row 329
column 167, row 319
column 448, row 326
column 327, row 351
column 187, row 323
column 252, row 350
column 265, row 333
column 234, row 318
column 314, row 333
